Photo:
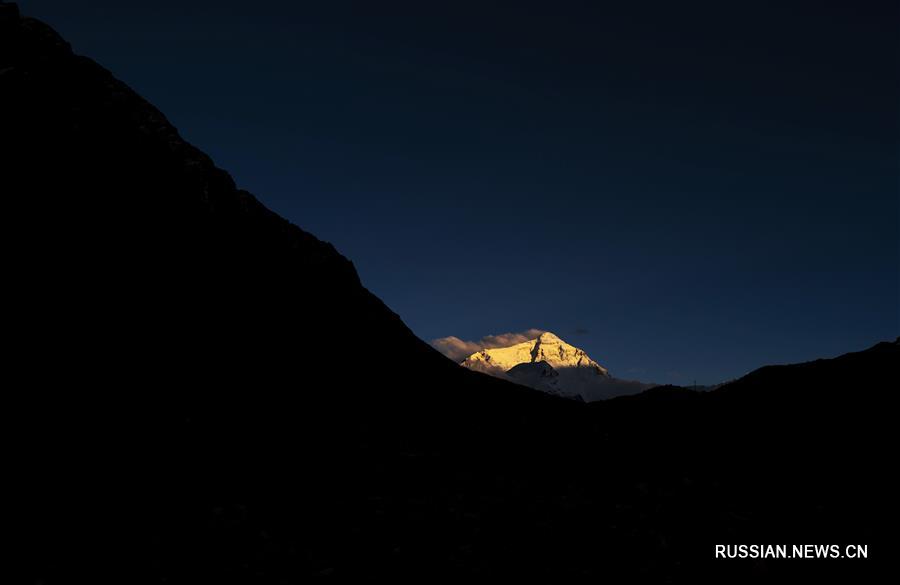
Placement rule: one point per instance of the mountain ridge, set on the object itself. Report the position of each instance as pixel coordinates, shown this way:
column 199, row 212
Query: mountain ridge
column 549, row 364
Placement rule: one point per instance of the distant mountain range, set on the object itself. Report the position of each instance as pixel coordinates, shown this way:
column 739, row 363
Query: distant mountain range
column 549, row 364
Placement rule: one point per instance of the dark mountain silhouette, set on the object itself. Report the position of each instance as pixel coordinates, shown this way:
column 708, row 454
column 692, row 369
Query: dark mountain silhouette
column 176, row 413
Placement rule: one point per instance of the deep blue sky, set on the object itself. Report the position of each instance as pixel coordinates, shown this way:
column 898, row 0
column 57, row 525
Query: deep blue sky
column 703, row 187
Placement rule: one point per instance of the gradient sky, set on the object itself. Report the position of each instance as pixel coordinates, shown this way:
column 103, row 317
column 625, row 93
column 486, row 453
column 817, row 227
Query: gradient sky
column 686, row 190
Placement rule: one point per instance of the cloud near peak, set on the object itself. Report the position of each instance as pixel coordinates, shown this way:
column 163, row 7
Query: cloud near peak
column 458, row 349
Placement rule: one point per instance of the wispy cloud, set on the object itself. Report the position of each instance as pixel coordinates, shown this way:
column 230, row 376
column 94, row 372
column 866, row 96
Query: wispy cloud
column 458, row 349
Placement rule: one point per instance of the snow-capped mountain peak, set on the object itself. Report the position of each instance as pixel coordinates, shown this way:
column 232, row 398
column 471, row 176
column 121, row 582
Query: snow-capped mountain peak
column 550, row 364
column 545, row 348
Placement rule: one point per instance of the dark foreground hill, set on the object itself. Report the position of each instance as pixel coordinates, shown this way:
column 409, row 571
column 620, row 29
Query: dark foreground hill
column 167, row 424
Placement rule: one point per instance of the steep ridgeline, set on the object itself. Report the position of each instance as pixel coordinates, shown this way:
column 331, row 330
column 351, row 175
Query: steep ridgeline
column 177, row 411
column 173, row 345
column 549, row 364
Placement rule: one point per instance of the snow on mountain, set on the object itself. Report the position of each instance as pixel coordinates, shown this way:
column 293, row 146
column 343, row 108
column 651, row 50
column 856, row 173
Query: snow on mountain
column 549, row 364
column 547, row 347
